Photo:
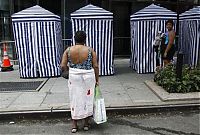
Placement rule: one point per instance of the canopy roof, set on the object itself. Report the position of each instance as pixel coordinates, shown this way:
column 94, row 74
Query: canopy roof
column 90, row 11
column 193, row 14
column 34, row 13
column 153, row 12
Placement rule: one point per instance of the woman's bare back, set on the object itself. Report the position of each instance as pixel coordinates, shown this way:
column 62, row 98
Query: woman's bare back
column 78, row 54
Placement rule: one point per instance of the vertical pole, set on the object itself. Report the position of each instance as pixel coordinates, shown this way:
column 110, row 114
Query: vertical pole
column 177, row 11
column 86, row 2
column 64, row 18
column 11, row 4
column 198, row 62
column 4, row 25
column 179, row 66
column 177, row 26
column 38, row 2
column 18, row 5
column 110, row 2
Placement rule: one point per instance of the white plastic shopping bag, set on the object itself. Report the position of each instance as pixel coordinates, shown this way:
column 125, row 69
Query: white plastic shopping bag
column 99, row 107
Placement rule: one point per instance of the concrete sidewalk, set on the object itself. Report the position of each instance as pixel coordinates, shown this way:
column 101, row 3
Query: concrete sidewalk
column 125, row 89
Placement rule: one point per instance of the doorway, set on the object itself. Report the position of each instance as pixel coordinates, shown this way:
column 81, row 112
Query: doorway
column 121, row 28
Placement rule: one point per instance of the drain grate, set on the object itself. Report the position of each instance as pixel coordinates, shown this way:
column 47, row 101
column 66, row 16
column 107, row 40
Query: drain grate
column 21, row 86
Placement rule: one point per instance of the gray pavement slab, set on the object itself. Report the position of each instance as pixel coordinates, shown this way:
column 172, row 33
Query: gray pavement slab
column 124, row 89
column 28, row 99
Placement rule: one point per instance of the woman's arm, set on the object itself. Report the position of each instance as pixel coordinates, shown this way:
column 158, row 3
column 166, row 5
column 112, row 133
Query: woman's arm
column 63, row 64
column 170, row 43
column 95, row 66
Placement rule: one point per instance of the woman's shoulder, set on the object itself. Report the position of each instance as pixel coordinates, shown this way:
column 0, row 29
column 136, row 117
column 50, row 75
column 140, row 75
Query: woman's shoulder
column 172, row 32
column 67, row 50
column 88, row 48
column 74, row 47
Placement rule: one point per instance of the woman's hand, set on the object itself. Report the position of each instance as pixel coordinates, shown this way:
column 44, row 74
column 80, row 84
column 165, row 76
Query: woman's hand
column 97, row 83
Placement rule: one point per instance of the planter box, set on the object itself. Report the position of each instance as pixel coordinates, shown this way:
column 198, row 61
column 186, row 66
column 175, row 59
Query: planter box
column 165, row 96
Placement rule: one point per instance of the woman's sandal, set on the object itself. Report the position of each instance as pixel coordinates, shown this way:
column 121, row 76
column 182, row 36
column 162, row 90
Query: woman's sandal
column 86, row 128
column 74, row 130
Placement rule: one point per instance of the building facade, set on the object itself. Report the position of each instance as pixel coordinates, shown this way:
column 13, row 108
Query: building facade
column 121, row 9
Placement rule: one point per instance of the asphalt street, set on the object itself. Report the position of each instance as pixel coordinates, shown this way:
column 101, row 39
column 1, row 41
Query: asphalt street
column 160, row 123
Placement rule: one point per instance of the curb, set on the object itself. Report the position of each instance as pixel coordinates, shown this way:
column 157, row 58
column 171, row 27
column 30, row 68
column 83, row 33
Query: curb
column 41, row 114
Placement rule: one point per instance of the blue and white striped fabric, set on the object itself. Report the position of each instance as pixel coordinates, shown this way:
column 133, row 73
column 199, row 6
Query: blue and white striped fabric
column 144, row 26
column 38, row 40
column 98, row 25
column 189, row 35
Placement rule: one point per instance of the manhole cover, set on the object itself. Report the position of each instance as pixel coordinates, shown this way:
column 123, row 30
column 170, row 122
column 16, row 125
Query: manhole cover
column 21, row 86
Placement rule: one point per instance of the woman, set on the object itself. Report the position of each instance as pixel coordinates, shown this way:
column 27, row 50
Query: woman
column 83, row 76
column 168, row 49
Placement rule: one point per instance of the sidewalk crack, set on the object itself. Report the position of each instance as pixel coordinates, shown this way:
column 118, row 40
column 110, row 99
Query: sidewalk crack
column 47, row 93
column 14, row 100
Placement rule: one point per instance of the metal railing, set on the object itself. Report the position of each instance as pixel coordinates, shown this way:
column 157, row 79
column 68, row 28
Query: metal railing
column 66, row 43
column 121, row 46
column 11, row 49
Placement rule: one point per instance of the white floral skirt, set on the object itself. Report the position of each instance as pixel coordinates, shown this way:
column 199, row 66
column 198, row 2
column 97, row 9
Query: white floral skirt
column 81, row 85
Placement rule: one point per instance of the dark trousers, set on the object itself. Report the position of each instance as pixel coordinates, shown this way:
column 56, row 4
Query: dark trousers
column 157, row 56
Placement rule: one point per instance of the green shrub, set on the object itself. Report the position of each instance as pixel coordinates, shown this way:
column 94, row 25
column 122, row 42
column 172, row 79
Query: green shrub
column 190, row 81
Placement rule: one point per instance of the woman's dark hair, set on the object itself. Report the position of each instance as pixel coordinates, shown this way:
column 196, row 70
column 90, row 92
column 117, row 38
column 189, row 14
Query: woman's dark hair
column 169, row 21
column 80, row 37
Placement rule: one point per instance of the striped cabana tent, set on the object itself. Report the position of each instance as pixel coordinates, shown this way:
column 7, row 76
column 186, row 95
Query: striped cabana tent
column 38, row 40
column 189, row 35
column 144, row 26
column 98, row 25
